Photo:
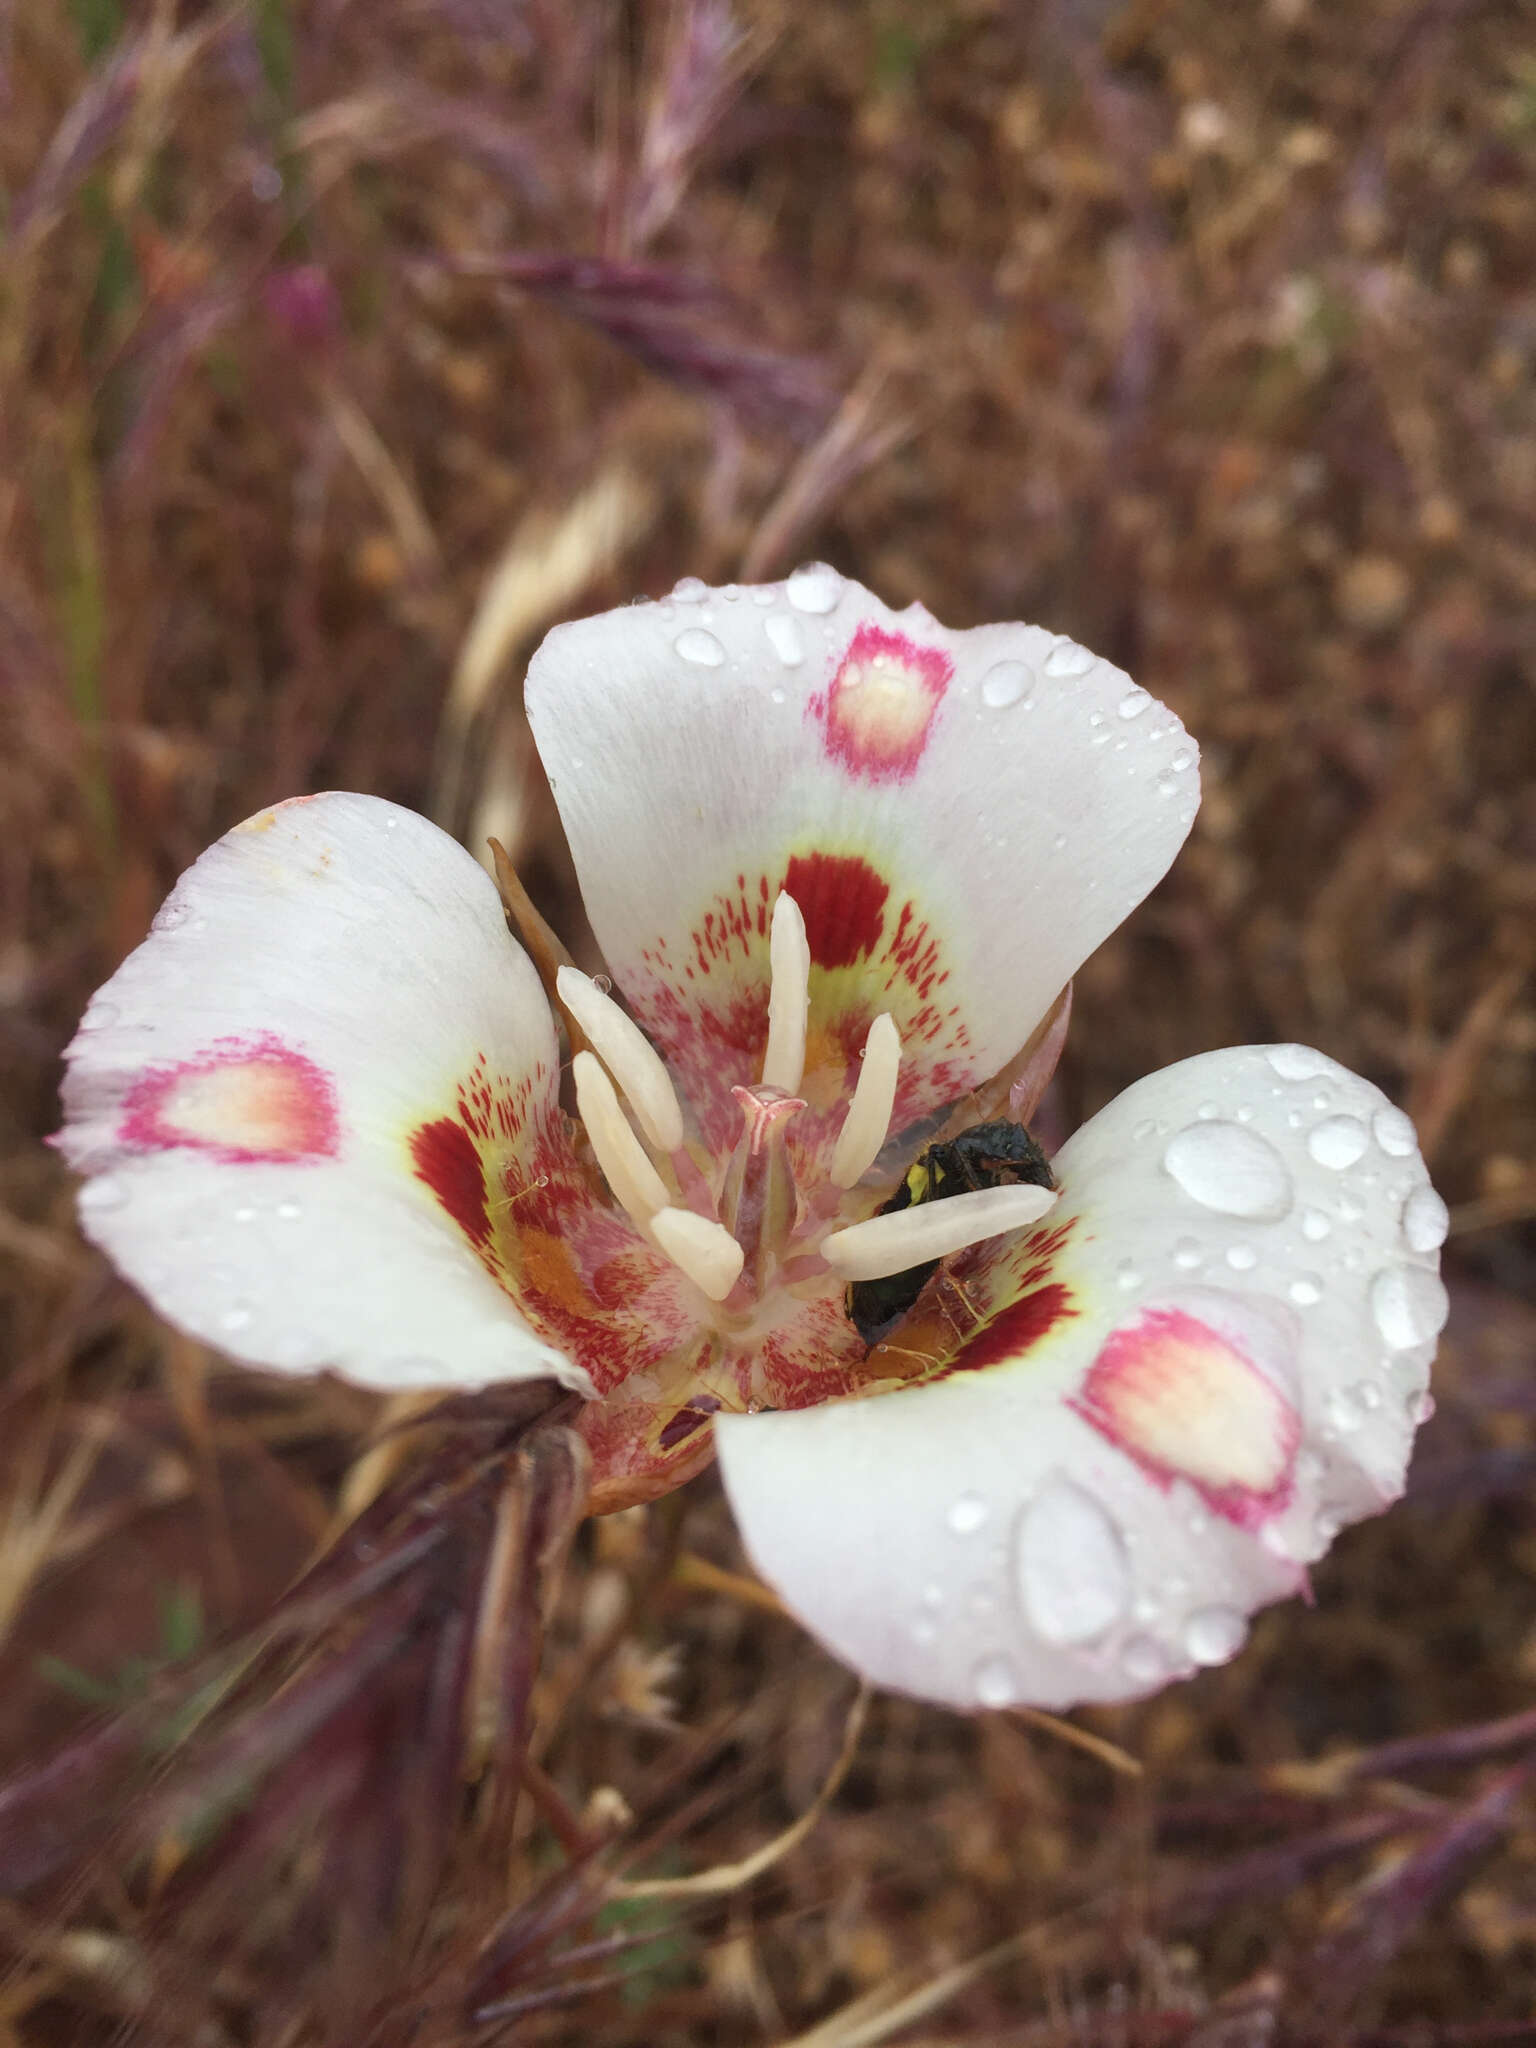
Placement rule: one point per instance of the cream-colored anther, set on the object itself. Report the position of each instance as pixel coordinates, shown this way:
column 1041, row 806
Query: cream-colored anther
column 627, row 1168
column 931, row 1230
column 869, row 1113
column 704, row 1249
column 628, row 1055
column 789, row 996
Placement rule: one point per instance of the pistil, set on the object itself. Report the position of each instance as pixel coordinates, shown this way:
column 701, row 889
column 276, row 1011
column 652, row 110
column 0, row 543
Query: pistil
column 767, row 1232
column 760, row 1202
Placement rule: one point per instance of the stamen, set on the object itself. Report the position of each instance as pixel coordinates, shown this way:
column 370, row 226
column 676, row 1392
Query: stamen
column 789, row 995
column 869, row 1113
column 626, row 1167
column 705, row 1250
column 931, row 1230
column 628, row 1055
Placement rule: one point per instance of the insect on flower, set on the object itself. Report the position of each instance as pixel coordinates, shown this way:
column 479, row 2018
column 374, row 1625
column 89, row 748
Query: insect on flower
column 843, row 864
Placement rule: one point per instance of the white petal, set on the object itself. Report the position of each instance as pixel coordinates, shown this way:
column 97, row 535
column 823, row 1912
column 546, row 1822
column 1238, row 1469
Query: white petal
column 961, row 816
column 1154, row 1411
column 302, row 1100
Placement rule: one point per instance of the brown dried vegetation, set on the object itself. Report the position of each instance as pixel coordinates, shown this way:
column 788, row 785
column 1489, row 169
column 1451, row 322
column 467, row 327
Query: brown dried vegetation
column 345, row 346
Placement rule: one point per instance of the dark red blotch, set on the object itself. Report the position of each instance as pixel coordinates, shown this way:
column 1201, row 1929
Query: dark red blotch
column 842, row 900
column 447, row 1159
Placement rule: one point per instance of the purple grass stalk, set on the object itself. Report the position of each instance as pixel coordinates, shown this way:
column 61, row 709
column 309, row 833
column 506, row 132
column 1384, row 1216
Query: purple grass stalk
column 700, row 73
column 1449, row 1746
column 555, row 274
column 1274, row 1870
column 86, row 131
column 645, row 310
column 1386, row 1911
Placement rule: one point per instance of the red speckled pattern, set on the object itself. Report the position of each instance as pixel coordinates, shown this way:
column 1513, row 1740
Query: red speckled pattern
column 872, row 949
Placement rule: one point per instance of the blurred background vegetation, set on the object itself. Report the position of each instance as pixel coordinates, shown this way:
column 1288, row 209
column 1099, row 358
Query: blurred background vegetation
column 346, row 345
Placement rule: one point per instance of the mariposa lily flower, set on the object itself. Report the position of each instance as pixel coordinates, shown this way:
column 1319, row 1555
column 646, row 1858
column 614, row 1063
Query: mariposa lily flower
column 842, row 864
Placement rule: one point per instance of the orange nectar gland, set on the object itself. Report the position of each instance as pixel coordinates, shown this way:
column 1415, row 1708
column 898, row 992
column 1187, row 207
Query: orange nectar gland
column 736, row 1243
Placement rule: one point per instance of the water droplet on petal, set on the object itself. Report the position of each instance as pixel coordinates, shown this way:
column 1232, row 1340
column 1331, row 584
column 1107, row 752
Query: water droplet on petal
column 1213, row 1634
column 1306, row 1290
column 814, row 587
column 1421, row 1409
column 1276, row 1539
column 1296, row 1062
column 996, row 1683
column 1425, row 1220
column 290, row 1212
column 1007, row 682
column 105, row 1192
column 690, row 590
column 100, row 1017
column 1410, row 1306
column 1315, row 1226
column 1394, row 1133
column 785, row 638
column 1242, row 1258
column 967, row 1514
column 1073, row 1577
column 698, row 645
column 1133, row 703
column 1183, row 759
column 1128, row 1274
column 1066, row 658
column 1233, row 1171
column 1344, row 1411
column 1188, row 1254
column 239, row 1317
column 1144, row 1660
column 245, row 1213
column 168, row 916
column 1338, row 1141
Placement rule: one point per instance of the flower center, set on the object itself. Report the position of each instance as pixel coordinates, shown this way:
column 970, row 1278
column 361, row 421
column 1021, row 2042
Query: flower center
column 740, row 1233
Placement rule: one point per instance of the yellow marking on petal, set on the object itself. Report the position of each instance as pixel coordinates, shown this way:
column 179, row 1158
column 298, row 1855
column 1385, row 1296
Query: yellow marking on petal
column 257, row 1106
column 883, row 709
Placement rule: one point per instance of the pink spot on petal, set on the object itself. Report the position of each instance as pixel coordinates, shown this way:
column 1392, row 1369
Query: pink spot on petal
column 245, row 1101
column 1184, row 1402
column 877, row 711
